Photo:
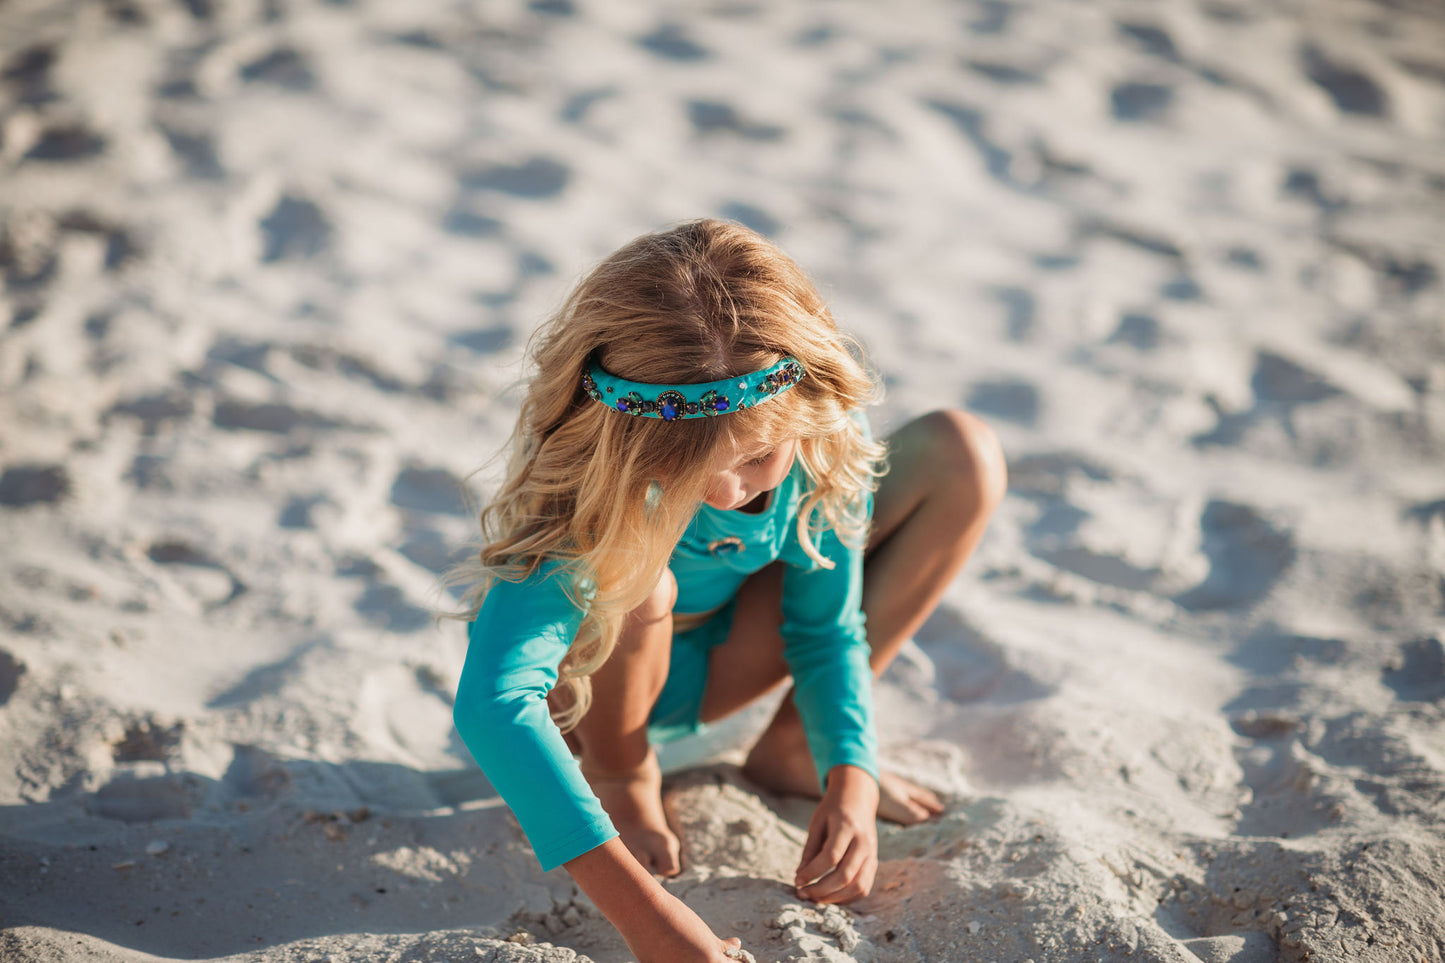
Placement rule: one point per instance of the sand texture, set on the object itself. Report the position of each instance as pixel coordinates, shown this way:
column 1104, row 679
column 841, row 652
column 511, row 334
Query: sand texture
column 269, row 267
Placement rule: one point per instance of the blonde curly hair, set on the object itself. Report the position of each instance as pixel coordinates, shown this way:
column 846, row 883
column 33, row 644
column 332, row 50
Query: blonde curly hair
column 609, row 495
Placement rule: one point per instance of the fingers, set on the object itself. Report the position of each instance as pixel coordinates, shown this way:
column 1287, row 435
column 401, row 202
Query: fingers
column 817, row 836
column 850, row 879
column 828, row 847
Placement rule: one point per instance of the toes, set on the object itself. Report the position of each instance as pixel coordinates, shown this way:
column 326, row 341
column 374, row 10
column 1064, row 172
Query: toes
column 664, row 855
column 916, row 813
column 927, row 799
column 902, row 811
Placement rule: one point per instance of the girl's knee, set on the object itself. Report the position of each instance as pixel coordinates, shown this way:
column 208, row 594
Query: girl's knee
column 966, row 451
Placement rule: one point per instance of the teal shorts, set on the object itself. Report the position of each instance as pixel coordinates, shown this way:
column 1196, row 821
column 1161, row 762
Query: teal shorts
column 679, row 706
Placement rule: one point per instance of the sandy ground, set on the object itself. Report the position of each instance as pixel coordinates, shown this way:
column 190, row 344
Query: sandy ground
column 268, row 270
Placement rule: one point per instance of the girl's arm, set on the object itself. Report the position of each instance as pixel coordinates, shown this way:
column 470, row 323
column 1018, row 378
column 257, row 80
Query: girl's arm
column 658, row 927
column 826, row 647
column 517, row 641
column 518, row 638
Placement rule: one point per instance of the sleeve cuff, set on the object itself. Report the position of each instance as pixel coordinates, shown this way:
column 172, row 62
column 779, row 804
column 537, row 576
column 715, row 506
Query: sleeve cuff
column 574, row 844
column 859, row 757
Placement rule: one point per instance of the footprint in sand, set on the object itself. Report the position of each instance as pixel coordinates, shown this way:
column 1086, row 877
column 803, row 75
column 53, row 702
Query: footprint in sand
column 463, row 221
column 716, row 117
column 1419, row 674
column 430, row 549
column 1303, row 183
column 196, row 152
column 66, row 142
column 1138, row 330
column 670, row 42
column 198, row 575
column 387, row 607
column 537, row 178
column 11, row 669
column 322, row 358
column 1151, row 39
column 1020, row 312
column 432, row 490
column 273, row 418
column 297, row 512
column 296, row 229
column 485, row 340
column 1140, row 101
column 28, row 75
column 1246, row 258
column 283, row 67
column 1008, row 398
column 1247, row 555
column 1279, row 385
column 155, row 410
column 23, row 485
column 1353, row 91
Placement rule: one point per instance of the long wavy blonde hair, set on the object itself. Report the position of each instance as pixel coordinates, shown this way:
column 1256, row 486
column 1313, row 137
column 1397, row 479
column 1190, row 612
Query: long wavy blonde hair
column 609, row 495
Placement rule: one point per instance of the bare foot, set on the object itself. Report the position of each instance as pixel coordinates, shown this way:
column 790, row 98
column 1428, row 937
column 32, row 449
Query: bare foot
column 782, row 763
column 634, row 801
column 904, row 801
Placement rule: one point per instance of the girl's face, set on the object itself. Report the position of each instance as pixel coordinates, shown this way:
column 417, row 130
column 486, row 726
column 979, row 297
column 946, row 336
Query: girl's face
column 737, row 480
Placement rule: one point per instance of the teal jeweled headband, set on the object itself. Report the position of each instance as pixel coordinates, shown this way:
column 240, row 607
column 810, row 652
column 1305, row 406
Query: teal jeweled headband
column 706, row 400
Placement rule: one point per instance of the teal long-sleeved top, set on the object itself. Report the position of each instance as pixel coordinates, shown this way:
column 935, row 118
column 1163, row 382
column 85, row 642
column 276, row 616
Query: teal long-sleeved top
column 523, row 630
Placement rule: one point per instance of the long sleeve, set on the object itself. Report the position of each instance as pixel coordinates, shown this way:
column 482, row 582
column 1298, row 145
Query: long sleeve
column 826, row 646
column 516, row 644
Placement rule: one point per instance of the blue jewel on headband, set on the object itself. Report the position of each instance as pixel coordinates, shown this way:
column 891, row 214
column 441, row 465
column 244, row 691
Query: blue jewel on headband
column 706, row 400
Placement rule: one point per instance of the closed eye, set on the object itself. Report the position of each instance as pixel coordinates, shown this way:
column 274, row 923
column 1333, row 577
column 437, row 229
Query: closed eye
column 764, row 458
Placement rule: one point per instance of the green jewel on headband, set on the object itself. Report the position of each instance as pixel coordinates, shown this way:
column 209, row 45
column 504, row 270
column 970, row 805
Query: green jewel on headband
column 706, row 400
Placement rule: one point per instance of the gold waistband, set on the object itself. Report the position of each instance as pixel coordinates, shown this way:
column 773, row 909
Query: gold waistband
column 687, row 621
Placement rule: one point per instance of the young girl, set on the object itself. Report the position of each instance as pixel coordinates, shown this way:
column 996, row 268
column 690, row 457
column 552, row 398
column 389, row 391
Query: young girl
column 688, row 519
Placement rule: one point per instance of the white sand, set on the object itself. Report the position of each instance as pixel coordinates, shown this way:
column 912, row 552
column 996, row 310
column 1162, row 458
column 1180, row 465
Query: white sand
column 268, row 268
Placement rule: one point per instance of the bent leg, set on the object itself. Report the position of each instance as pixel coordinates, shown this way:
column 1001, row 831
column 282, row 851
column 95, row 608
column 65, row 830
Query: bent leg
column 616, row 759
column 946, row 476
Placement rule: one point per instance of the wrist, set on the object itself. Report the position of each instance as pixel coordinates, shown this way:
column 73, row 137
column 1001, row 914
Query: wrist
column 626, row 893
column 850, row 778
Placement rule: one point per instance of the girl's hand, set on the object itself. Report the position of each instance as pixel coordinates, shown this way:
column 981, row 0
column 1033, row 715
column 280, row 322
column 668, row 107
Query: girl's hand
column 840, row 857
column 658, row 927
column 678, row 935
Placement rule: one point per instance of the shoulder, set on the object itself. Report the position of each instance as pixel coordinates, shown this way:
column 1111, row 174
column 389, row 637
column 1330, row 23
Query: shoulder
column 553, row 580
